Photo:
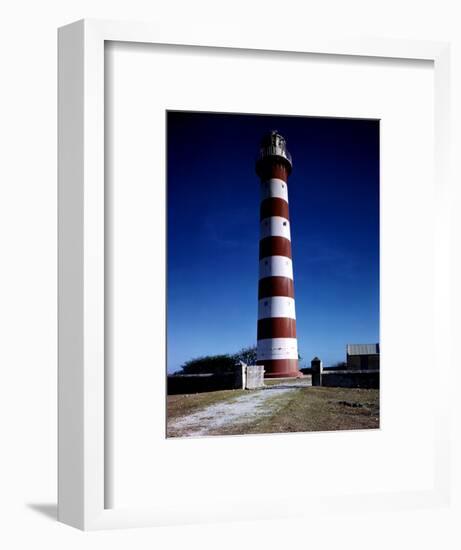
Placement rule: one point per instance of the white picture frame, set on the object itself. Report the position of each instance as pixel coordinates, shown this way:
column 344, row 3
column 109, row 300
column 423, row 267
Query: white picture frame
column 82, row 487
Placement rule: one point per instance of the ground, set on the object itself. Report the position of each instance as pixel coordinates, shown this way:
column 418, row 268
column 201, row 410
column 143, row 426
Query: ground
column 279, row 407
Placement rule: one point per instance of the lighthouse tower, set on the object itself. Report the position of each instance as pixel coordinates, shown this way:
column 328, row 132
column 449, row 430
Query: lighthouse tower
column 277, row 346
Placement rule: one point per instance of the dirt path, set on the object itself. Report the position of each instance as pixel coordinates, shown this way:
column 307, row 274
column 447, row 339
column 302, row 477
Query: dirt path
column 247, row 408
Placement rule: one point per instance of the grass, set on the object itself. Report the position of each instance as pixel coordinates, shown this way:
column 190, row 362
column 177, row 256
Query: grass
column 322, row 409
column 300, row 410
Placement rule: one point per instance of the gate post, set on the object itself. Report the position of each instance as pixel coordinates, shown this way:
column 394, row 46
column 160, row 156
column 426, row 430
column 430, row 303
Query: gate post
column 317, row 369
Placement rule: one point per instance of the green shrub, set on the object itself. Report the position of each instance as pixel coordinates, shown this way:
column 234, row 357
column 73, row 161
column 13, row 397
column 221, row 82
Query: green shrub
column 219, row 364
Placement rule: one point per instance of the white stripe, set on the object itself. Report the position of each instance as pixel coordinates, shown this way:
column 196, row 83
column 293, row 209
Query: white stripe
column 276, row 306
column 275, row 226
column 274, row 188
column 277, row 348
column 276, row 266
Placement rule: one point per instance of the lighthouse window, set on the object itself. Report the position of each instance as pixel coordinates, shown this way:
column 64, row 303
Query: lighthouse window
column 284, row 223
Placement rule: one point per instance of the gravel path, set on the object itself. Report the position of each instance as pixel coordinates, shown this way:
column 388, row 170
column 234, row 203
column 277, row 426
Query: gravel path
column 246, row 408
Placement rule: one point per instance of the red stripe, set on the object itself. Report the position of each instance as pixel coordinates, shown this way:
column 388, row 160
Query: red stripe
column 274, row 169
column 274, row 206
column 275, row 286
column 280, row 368
column 276, row 327
column 274, row 246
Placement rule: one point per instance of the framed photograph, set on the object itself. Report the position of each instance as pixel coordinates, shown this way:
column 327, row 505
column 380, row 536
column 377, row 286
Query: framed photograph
column 252, row 247
column 246, row 214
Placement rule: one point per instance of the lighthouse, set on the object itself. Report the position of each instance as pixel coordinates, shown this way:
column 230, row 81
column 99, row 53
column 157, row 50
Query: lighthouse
column 277, row 347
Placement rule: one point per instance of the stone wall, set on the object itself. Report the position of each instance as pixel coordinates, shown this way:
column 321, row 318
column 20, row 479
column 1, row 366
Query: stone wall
column 347, row 379
column 248, row 377
column 199, row 383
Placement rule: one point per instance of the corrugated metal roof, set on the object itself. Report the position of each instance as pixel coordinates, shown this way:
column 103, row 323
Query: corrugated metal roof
column 362, row 349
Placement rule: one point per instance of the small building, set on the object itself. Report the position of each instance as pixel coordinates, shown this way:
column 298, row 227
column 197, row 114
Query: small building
column 362, row 356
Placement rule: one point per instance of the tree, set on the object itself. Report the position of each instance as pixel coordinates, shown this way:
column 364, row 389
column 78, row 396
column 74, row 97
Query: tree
column 246, row 355
column 218, row 364
column 208, row 364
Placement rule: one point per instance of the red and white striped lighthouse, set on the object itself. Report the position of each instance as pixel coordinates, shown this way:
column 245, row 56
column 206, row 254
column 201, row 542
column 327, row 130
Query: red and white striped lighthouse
column 277, row 346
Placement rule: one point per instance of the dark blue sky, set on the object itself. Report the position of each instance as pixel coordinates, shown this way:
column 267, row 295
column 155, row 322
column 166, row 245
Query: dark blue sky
column 213, row 232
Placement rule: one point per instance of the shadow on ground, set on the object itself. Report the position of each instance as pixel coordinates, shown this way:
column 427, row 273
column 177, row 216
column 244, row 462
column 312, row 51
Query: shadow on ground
column 50, row 511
